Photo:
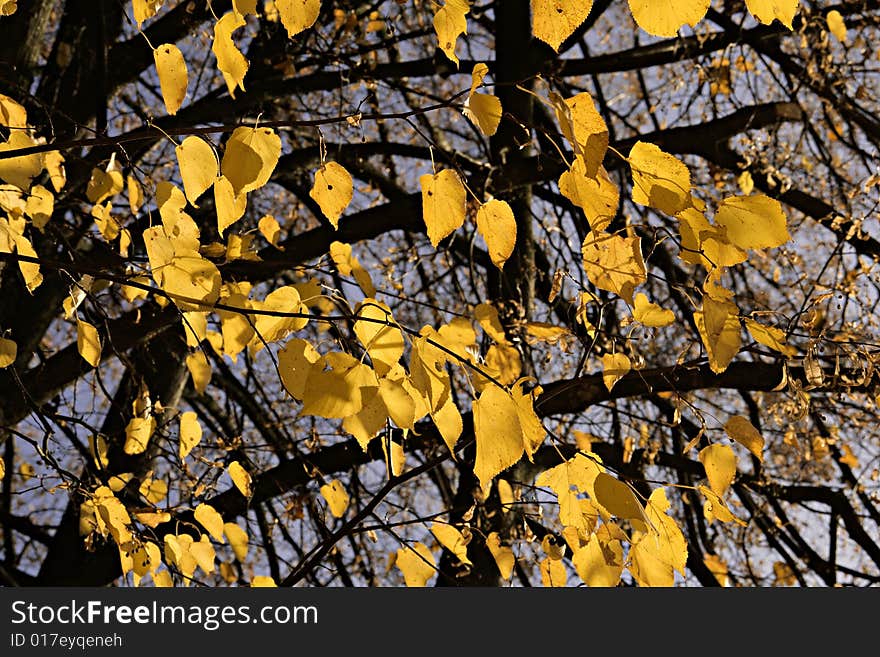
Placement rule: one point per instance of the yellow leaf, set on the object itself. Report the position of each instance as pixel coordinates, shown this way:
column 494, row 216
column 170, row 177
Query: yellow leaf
column 660, row 180
column 2, row 469
column 553, row 572
column 238, row 540
column 177, row 553
column 443, row 204
column 503, row 363
column 416, row 563
column 753, row 222
column 270, row 229
column 144, row 9
column 449, row 23
column 614, row 368
column 503, row 555
column 232, row 64
column 54, row 162
column 705, row 244
column 546, row 333
column 617, row 497
column 207, row 516
column 650, row 314
column 714, row 508
column 665, row 17
column 198, row 167
column 8, row 352
column 717, row 566
column 263, row 581
column 452, row 539
column 836, row 25
column 339, row 391
column 20, row 170
column 271, row 328
column 12, row 114
column 719, row 461
column 137, row 434
column 180, row 270
column 614, row 263
column 332, row 191
column 596, row 195
column 600, row 562
column 199, row 369
column 162, row 579
column 348, row 265
column 662, row 549
column 250, row 158
column 487, row 317
column 553, row 21
column 39, row 206
column 745, row 433
column 498, row 433
column 295, row 363
column 190, row 433
column 767, row 10
column 578, row 474
column 241, row 478
column 400, row 405
column 88, row 343
column 297, row 15
column 173, row 76
column 104, row 184
column 497, row 225
column 336, row 496
column 153, row 519
column 770, row 337
column 230, row 208
column 745, row 182
column 154, row 490
column 30, row 271
column 720, row 333
column 376, row 330
column 448, row 421
column 484, row 110
column 584, row 128
column 203, row 553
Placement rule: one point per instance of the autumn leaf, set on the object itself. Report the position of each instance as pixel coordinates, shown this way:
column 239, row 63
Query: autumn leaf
column 208, row 517
column 484, row 110
column 450, row 23
column 650, row 314
column 666, row 17
column 719, row 462
column 173, row 76
column 443, row 204
column 553, row 21
column 745, row 433
column 753, row 222
column 88, row 343
column 768, row 10
column 660, row 180
column 497, row 225
column 332, row 191
column 297, row 15
column 416, row 563
column 336, row 496
column 198, row 166
column 241, row 478
column 614, row 263
column 232, row 64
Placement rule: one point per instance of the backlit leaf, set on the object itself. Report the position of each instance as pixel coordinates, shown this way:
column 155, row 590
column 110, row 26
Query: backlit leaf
column 719, row 461
column 753, row 222
column 497, row 225
column 137, row 434
column 232, row 64
column 770, row 336
column 614, row 368
column 198, row 166
column 20, row 170
column 250, row 158
column 207, row 516
column 332, row 191
column 297, row 15
column 451, row 538
column 584, row 128
column 336, row 496
column 88, row 343
column 8, row 352
column 416, row 563
column 614, row 263
column 238, row 540
column 190, row 433
column 660, row 180
column 666, row 17
column 241, row 478
column 650, row 314
column 617, row 497
column 173, row 76
column 768, row 10
column 443, row 204
column 450, row 23
column 503, row 555
column 376, row 330
column 597, row 196
column 745, row 433
column 484, row 110
column 553, row 21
